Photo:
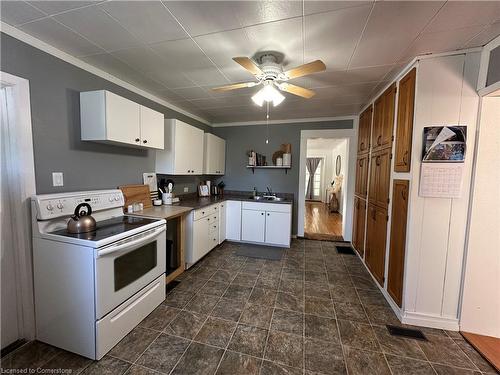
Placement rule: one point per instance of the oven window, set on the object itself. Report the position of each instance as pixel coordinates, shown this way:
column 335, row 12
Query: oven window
column 133, row 265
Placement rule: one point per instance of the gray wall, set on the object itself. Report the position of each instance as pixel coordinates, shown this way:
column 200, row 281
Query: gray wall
column 240, row 139
column 55, row 86
column 494, row 67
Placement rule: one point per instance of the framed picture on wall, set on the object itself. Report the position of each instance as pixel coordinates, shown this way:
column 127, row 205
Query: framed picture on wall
column 444, row 144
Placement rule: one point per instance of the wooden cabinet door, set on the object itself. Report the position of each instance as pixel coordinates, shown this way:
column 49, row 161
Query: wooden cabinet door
column 365, row 123
column 383, row 119
column 253, row 225
column 404, row 127
column 358, row 231
column 376, row 233
column 380, row 177
column 361, row 185
column 398, row 240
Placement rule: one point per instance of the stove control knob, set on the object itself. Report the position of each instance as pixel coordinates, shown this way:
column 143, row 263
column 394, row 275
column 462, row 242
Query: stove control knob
column 110, row 198
column 117, row 198
column 50, row 207
column 60, row 206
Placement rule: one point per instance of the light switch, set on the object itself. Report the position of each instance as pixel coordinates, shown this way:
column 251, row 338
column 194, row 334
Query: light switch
column 57, row 179
column 186, row 189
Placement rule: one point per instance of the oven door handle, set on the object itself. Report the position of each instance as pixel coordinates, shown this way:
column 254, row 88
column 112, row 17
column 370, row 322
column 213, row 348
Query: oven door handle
column 133, row 243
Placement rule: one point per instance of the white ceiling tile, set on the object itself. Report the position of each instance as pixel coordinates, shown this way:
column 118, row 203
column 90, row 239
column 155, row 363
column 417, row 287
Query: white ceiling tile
column 170, row 96
column 233, row 93
column 207, row 76
column 391, row 28
column 236, row 73
column 282, row 36
column 141, row 58
column 314, row 6
column 18, row 12
column 149, row 21
column 181, row 54
column 192, row 92
column 203, row 17
column 59, row 36
column 254, row 12
column 332, row 36
column 487, row 35
column 98, row 27
column 460, row 14
column 207, row 103
column 442, row 41
column 111, row 64
column 171, row 79
column 222, row 47
column 53, row 7
column 345, row 77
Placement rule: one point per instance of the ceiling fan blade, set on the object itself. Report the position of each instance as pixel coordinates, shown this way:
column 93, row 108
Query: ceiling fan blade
column 303, row 70
column 296, row 90
column 249, row 65
column 235, row 86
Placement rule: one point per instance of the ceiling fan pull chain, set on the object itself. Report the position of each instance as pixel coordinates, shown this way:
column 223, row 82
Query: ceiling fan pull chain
column 267, row 124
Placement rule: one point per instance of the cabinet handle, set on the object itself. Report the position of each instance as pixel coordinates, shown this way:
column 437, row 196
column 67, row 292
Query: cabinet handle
column 379, row 140
column 360, row 162
column 405, row 158
column 203, row 212
column 137, row 139
column 362, row 146
column 262, row 213
column 267, row 214
column 145, row 141
column 403, row 193
column 377, row 160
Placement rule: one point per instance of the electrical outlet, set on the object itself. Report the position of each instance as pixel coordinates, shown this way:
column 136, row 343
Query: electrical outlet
column 57, row 179
column 186, row 189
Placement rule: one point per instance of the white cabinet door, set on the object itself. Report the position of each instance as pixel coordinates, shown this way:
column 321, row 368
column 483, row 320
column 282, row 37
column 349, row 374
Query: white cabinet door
column 200, row 239
column 182, row 151
column 122, row 120
column 210, row 154
column 278, row 228
column 233, row 220
column 253, row 225
column 222, row 222
column 221, row 156
column 152, row 128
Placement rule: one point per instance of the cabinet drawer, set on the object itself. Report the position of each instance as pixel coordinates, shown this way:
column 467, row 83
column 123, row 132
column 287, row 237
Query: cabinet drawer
column 202, row 212
column 213, row 227
column 271, row 207
column 213, row 240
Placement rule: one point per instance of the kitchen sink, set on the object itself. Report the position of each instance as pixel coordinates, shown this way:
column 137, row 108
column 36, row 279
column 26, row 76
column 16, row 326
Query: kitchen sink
column 267, row 198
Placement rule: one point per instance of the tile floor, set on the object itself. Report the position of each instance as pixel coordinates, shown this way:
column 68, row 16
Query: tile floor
column 314, row 312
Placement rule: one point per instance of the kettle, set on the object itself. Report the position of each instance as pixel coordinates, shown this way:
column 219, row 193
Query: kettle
column 81, row 221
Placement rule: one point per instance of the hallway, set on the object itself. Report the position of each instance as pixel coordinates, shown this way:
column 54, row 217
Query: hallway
column 319, row 224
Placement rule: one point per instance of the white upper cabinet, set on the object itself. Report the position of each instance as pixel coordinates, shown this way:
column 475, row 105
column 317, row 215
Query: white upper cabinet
column 215, row 155
column 183, row 152
column 109, row 118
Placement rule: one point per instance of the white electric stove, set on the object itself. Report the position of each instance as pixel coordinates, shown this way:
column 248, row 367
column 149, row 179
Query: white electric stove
column 92, row 288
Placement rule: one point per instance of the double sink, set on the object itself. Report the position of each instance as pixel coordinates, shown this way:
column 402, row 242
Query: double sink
column 267, row 198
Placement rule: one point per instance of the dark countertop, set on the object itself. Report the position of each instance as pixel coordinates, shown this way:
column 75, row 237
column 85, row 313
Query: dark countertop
column 199, row 202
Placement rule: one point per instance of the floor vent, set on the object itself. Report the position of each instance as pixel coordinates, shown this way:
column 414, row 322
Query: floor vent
column 344, row 249
column 171, row 285
column 406, row 332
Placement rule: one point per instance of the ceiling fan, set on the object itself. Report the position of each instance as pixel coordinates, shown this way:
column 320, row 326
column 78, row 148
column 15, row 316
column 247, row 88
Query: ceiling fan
column 270, row 74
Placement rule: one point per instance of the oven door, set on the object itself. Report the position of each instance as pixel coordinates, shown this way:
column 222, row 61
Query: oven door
column 125, row 267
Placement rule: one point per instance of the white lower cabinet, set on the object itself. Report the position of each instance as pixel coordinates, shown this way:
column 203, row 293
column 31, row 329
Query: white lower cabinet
column 202, row 233
column 233, row 220
column 267, row 223
column 222, row 222
column 253, row 225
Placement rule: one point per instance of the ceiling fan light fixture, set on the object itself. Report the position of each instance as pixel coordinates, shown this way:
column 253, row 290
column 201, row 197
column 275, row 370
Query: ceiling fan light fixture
column 268, row 93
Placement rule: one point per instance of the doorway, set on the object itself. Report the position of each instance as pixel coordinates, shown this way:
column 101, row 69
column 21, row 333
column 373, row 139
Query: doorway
column 326, row 159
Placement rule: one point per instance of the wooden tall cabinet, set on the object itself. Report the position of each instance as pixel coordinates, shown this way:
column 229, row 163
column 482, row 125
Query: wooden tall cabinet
column 365, row 124
column 361, row 185
column 376, row 230
column 358, row 232
column 380, row 176
column 383, row 119
column 404, row 127
column 398, row 239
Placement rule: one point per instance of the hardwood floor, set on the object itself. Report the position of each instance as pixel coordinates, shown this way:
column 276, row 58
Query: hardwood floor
column 488, row 346
column 319, row 224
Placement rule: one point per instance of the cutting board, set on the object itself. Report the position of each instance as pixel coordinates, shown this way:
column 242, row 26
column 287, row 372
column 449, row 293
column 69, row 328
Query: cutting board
column 136, row 194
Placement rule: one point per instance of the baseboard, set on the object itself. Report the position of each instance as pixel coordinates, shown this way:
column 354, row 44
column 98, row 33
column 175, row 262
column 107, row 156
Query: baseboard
column 432, row 321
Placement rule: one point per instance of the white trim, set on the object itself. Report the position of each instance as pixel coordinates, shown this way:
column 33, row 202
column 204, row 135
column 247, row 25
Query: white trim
column 485, row 61
column 24, row 271
column 432, row 321
column 348, row 204
column 285, row 121
column 45, row 47
column 491, row 90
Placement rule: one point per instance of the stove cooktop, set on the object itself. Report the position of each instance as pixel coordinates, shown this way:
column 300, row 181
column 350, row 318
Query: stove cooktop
column 108, row 228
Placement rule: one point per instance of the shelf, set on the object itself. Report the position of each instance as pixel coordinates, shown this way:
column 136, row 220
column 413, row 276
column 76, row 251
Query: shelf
column 284, row 167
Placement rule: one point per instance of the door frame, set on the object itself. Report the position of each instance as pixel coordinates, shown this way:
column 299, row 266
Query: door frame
column 24, row 267
column 350, row 171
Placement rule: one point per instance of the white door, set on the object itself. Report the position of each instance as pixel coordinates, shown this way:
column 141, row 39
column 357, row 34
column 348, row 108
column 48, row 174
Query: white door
column 211, row 158
column 278, row 228
column 152, row 128
column 233, row 220
column 253, row 225
column 222, row 222
column 122, row 119
column 221, row 156
column 200, row 239
column 195, row 146
column 182, row 158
